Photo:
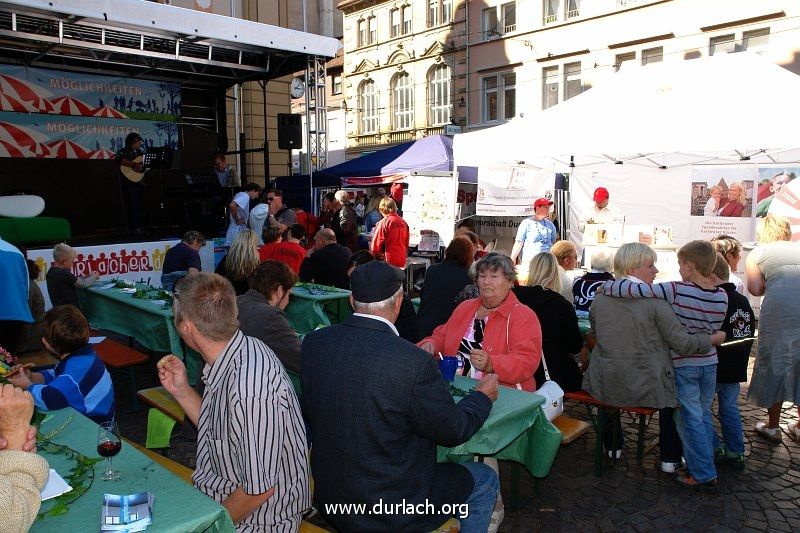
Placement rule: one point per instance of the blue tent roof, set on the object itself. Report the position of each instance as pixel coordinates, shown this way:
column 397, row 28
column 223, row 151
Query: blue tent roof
column 430, row 153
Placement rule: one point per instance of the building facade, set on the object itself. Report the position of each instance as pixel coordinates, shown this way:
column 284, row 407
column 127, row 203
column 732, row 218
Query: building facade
column 524, row 56
column 404, row 70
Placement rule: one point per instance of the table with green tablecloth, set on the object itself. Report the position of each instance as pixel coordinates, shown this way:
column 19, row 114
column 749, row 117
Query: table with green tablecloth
column 147, row 322
column 177, row 506
column 517, row 430
column 312, row 306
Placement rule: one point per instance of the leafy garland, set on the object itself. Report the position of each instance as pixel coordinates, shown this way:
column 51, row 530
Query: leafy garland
column 458, row 392
column 80, row 477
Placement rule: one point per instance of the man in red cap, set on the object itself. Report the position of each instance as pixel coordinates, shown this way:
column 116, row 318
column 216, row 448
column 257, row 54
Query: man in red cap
column 600, row 212
column 535, row 234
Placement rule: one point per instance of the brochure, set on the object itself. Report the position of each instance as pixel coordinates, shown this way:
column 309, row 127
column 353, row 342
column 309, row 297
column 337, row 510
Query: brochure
column 132, row 512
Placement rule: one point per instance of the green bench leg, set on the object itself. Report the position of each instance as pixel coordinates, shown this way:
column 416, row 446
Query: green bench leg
column 640, row 441
column 516, row 501
column 598, row 442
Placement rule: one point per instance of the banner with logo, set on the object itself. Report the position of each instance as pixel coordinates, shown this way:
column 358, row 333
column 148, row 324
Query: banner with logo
column 141, row 261
column 510, row 190
column 53, row 114
column 429, row 208
column 500, row 229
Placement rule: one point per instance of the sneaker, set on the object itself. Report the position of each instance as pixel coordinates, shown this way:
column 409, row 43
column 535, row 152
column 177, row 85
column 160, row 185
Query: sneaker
column 496, row 520
column 773, row 434
column 720, row 455
column 671, row 468
column 686, row 479
column 793, row 430
column 614, row 454
column 736, row 460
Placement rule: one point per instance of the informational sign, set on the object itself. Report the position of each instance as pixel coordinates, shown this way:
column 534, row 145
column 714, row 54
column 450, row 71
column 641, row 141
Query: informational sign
column 498, row 229
column 141, row 261
column 429, row 205
column 510, row 190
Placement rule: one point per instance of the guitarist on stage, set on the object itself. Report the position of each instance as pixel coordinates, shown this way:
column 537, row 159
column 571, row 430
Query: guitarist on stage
column 132, row 189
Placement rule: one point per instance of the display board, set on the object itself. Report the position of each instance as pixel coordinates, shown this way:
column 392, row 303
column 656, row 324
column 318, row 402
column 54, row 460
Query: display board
column 510, row 190
column 429, row 205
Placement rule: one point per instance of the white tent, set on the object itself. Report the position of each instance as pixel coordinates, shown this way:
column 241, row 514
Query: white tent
column 721, row 109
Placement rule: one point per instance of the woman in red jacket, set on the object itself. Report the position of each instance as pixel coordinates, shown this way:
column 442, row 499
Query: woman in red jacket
column 390, row 241
column 494, row 332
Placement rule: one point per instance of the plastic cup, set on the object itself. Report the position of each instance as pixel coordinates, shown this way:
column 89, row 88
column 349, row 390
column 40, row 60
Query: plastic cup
column 447, row 366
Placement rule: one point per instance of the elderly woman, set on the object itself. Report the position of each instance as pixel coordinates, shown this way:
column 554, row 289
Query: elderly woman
column 561, row 336
column 443, row 282
column 535, row 234
column 343, row 222
column 567, row 256
column 631, row 362
column 494, row 332
column 240, row 261
column 583, row 287
column 773, row 270
column 390, row 242
column 731, row 250
column 734, row 206
column 261, row 312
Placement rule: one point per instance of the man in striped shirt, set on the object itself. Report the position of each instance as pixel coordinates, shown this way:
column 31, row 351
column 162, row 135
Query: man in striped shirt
column 251, row 444
column 701, row 308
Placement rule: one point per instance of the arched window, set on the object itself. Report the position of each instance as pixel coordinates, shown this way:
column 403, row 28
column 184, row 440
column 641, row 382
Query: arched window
column 439, row 95
column 367, row 108
column 402, row 102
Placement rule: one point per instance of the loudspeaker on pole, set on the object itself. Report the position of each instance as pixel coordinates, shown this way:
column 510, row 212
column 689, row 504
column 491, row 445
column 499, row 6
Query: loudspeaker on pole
column 290, row 131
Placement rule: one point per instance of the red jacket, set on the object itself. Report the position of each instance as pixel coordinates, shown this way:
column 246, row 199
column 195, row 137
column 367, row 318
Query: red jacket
column 286, row 252
column 390, row 241
column 512, row 338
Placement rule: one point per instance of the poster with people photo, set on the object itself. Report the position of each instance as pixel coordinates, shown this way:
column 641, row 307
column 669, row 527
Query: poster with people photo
column 719, row 191
column 771, row 180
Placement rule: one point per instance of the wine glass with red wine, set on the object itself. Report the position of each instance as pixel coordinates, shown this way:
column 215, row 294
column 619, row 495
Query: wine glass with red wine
column 108, row 445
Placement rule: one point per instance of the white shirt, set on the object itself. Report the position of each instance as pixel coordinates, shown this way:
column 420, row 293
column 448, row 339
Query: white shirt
column 258, row 216
column 605, row 215
column 242, row 200
column 381, row 319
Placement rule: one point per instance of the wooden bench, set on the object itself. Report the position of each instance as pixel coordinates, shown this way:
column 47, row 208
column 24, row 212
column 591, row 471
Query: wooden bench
column 159, row 399
column 118, row 356
column 41, row 359
column 183, row 472
column 599, row 423
column 570, row 428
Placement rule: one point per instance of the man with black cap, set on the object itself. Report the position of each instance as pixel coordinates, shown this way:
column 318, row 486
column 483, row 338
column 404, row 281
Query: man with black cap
column 377, row 407
column 601, row 212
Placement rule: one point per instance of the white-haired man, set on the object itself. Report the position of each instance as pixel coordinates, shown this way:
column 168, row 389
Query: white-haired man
column 61, row 282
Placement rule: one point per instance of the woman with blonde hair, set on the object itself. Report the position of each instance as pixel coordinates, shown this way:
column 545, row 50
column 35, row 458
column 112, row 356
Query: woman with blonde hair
column 731, row 250
column 241, row 261
column 567, row 256
column 561, row 336
column 734, row 205
column 773, row 270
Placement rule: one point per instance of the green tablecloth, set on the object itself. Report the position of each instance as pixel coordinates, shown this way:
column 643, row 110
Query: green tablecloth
column 178, row 506
column 516, row 429
column 416, row 302
column 307, row 311
column 584, row 325
column 146, row 322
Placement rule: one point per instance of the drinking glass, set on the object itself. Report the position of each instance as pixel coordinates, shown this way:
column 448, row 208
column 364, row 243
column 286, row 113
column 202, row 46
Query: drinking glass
column 109, row 444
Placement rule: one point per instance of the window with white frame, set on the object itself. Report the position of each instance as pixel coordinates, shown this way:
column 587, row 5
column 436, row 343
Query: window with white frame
column 490, row 29
column 508, row 20
column 372, row 30
column 652, row 55
column 402, row 102
column 621, row 59
column 549, row 87
column 756, row 40
column 336, row 84
column 499, row 20
column 433, row 12
column 447, row 11
column 572, row 80
column 406, row 20
column 362, row 33
column 723, row 44
column 394, row 21
column 439, row 95
column 499, row 96
column 439, row 12
column 367, row 108
column 551, row 8
column 573, row 8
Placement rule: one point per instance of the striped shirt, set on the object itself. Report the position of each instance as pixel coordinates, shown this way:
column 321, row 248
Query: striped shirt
column 251, row 435
column 699, row 310
column 80, row 381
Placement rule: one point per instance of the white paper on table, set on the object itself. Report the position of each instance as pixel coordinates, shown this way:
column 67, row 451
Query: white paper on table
column 158, row 302
column 96, row 340
column 129, row 290
column 55, row 486
column 106, row 286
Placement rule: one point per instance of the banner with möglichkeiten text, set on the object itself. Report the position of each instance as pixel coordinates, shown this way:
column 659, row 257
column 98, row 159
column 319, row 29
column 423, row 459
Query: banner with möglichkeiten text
column 510, row 190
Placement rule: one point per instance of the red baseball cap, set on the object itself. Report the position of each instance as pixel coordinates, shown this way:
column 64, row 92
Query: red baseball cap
column 600, row 194
column 542, row 202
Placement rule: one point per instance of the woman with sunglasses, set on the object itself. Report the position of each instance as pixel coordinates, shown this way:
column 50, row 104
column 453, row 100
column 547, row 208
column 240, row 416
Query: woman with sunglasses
column 495, row 333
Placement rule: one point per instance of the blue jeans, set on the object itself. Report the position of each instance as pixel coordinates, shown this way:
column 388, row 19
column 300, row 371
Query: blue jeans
column 168, row 281
column 696, row 386
column 729, row 418
column 481, row 501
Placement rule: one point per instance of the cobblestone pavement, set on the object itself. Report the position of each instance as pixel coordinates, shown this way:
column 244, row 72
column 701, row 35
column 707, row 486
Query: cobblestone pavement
column 628, row 497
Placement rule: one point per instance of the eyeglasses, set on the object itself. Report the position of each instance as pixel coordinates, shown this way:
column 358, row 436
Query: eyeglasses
column 270, row 198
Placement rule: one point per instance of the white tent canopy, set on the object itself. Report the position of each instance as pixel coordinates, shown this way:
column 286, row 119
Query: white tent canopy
column 720, row 109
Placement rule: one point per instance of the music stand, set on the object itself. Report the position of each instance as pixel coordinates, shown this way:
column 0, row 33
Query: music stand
column 159, row 158
column 202, row 177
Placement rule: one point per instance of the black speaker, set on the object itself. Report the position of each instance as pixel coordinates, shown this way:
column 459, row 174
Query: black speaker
column 290, row 131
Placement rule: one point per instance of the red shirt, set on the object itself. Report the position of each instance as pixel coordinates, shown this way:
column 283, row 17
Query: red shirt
column 287, row 252
column 396, row 193
column 391, row 240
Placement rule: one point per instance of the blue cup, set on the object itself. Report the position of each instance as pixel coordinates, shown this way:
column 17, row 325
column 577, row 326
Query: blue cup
column 447, row 366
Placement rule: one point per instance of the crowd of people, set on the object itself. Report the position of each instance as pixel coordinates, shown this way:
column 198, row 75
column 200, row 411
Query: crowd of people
column 372, row 383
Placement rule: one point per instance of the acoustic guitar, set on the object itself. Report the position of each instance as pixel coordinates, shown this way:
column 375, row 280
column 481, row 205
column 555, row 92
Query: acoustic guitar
column 133, row 174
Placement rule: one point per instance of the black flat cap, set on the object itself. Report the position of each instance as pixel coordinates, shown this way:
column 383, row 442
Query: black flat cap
column 375, row 281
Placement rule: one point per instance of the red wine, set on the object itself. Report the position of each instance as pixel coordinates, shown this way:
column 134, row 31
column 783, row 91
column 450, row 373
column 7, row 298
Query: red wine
column 108, row 448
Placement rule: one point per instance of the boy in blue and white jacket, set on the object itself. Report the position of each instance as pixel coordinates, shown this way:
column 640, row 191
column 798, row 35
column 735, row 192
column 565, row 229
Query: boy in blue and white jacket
column 80, row 380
